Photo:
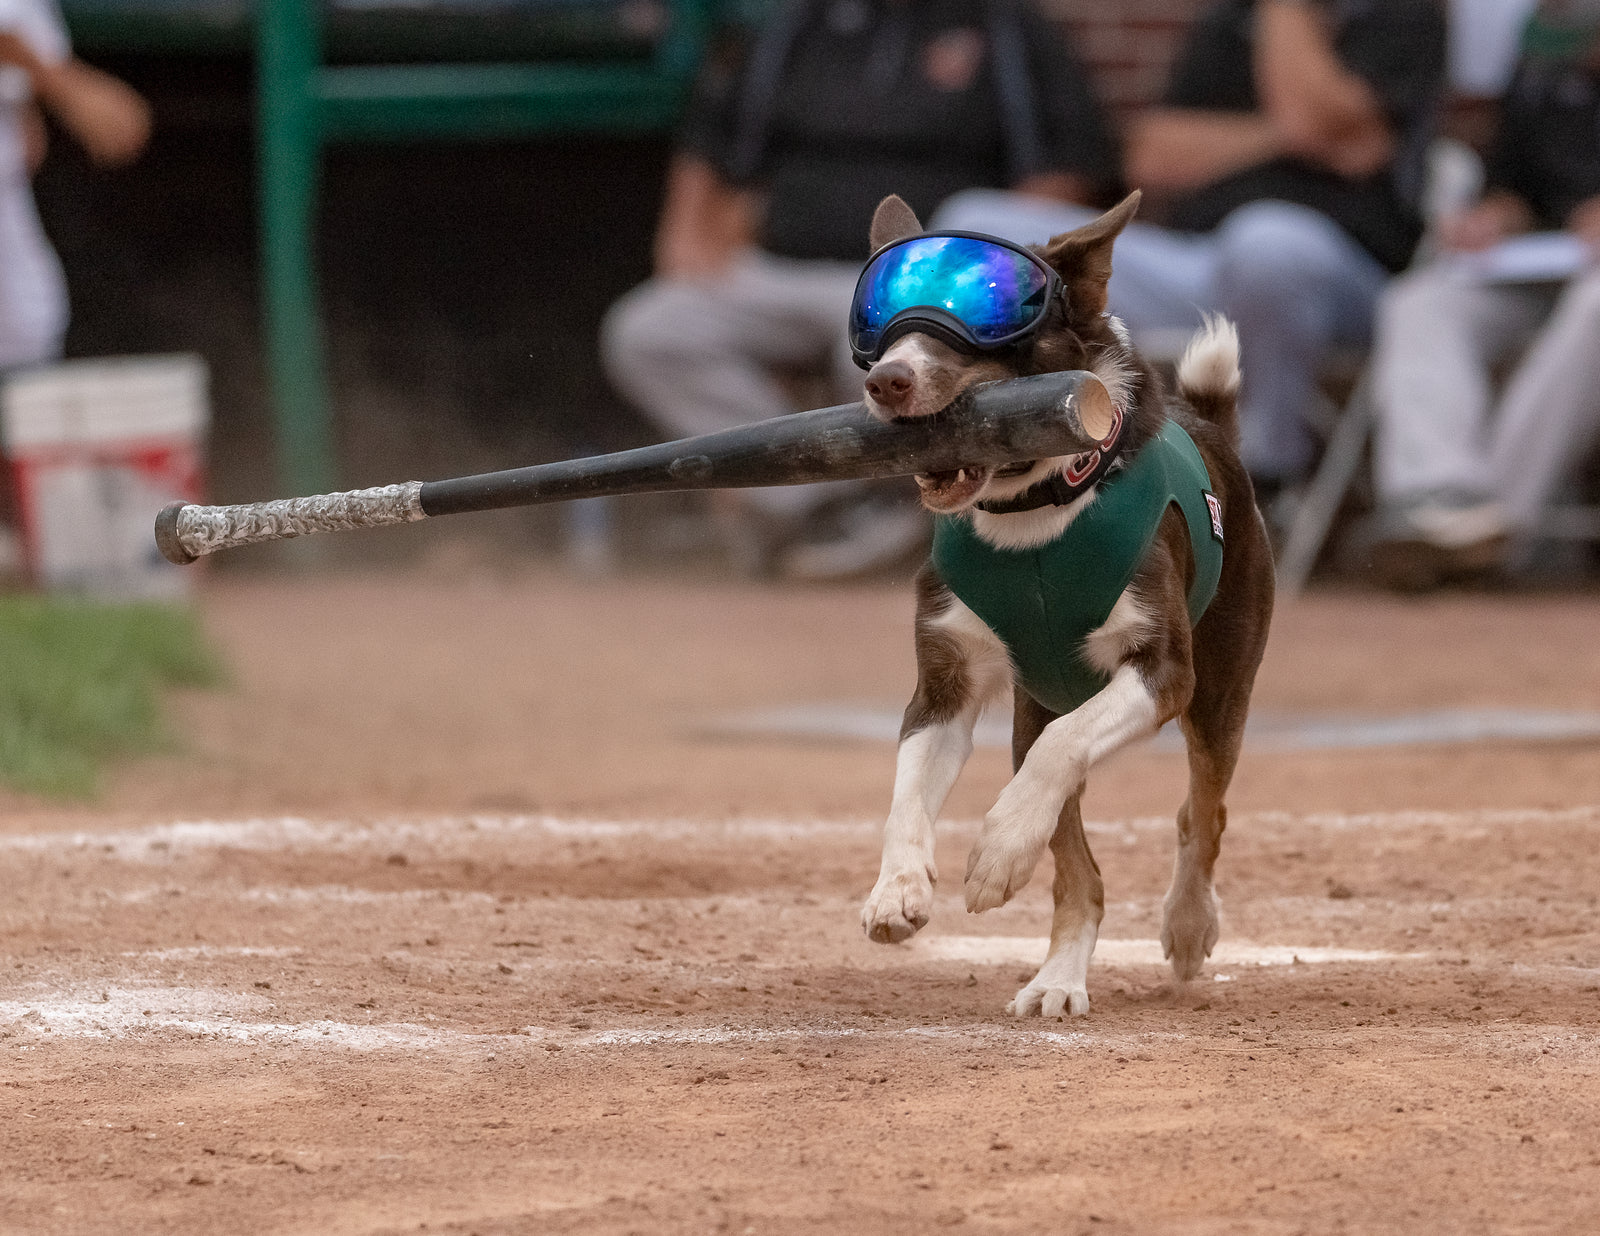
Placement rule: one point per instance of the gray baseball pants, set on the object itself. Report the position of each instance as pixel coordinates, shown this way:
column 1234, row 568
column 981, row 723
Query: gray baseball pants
column 700, row 356
column 1441, row 335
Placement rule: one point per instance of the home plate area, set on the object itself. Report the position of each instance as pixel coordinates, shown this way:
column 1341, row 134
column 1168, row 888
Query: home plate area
column 387, row 1024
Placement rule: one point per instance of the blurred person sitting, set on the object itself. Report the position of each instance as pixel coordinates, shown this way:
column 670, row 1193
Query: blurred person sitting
column 110, row 121
column 790, row 143
column 1290, row 148
column 1459, row 472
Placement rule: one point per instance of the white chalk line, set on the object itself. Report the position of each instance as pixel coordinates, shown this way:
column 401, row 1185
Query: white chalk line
column 1264, row 731
column 164, row 842
column 716, row 1035
column 979, row 950
column 1030, row 950
column 118, row 1012
column 205, row 952
column 297, row 895
column 122, row 1013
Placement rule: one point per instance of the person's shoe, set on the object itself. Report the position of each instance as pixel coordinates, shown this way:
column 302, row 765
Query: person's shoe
column 872, row 536
column 1436, row 538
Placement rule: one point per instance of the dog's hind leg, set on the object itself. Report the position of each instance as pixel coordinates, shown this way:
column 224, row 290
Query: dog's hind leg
column 1214, row 728
column 1228, row 645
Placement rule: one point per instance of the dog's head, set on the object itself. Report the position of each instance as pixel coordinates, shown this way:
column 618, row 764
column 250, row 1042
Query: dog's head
column 920, row 374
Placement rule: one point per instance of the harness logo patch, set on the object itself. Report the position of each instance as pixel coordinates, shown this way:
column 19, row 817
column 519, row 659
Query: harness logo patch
column 1215, row 508
column 1081, row 467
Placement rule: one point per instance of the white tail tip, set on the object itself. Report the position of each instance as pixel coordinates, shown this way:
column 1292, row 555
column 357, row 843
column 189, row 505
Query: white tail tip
column 1210, row 364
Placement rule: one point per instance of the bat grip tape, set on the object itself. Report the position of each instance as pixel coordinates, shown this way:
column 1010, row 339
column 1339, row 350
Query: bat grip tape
column 185, row 532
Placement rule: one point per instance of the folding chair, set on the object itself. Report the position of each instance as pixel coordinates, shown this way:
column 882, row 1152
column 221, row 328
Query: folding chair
column 1454, row 178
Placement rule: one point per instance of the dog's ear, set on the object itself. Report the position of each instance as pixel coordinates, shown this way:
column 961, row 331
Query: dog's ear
column 1083, row 257
column 892, row 221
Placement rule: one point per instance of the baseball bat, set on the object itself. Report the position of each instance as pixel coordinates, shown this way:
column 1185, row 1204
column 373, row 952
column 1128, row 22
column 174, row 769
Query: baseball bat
column 996, row 423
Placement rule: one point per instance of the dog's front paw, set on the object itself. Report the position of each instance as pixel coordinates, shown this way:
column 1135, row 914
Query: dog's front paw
column 1049, row 1001
column 1005, row 854
column 1190, row 925
column 898, row 906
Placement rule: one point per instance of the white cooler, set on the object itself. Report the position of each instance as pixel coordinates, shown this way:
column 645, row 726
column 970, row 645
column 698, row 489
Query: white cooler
column 97, row 448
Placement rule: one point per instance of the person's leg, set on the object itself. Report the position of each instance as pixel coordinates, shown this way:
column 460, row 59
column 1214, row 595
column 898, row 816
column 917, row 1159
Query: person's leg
column 33, row 318
column 1438, row 334
column 1549, row 416
column 1160, row 279
column 698, row 357
column 1296, row 284
column 33, row 292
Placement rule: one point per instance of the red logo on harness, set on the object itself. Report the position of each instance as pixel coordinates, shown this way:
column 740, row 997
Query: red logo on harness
column 1081, row 467
column 1215, row 508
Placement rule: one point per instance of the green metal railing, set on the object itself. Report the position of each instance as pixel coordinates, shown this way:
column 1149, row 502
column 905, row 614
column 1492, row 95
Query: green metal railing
column 381, row 31
column 303, row 104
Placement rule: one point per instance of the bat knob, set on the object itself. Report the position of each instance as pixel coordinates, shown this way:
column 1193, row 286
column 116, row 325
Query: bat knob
column 172, row 549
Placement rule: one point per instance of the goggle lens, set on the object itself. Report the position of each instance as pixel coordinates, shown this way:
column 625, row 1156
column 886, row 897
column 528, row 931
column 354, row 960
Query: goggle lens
column 991, row 290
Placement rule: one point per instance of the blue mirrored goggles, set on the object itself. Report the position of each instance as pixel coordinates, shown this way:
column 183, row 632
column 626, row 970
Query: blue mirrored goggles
column 976, row 291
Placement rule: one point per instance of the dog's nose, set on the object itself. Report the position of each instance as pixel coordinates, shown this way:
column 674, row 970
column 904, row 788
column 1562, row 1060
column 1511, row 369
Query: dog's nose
column 889, row 382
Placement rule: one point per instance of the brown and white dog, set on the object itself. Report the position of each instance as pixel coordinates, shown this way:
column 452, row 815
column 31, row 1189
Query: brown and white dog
column 1159, row 668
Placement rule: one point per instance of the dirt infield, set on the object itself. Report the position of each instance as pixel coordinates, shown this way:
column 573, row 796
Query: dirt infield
column 455, row 916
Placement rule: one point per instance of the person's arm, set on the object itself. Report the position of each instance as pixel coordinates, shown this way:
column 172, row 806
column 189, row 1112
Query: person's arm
column 15, row 53
column 110, row 120
column 35, row 138
column 1498, row 215
column 704, row 222
column 1321, row 110
column 1584, row 221
column 1177, row 148
column 1066, row 187
column 1209, row 123
column 107, row 117
column 1079, row 161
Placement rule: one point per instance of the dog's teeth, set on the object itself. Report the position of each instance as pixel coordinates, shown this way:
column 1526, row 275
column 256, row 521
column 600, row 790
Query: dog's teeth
column 961, row 475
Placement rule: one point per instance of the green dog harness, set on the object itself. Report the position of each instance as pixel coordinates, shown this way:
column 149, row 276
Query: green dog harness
column 1042, row 602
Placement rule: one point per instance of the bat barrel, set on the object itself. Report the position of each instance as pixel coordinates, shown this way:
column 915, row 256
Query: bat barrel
column 1025, row 418
column 998, row 423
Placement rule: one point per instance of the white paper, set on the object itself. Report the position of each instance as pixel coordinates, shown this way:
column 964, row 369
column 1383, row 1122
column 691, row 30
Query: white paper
column 1539, row 257
column 1484, row 41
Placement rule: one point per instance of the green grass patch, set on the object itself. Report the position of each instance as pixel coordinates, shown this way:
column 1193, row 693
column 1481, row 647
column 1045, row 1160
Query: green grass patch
column 80, row 683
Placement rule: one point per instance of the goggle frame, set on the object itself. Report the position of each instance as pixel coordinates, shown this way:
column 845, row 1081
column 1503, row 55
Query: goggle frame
column 946, row 323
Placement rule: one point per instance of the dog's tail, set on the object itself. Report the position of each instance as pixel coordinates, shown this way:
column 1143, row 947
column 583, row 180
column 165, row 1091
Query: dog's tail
column 1208, row 374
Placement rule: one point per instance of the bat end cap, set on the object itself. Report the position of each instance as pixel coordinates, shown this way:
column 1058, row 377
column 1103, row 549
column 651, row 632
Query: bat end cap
column 172, row 549
column 1096, row 411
